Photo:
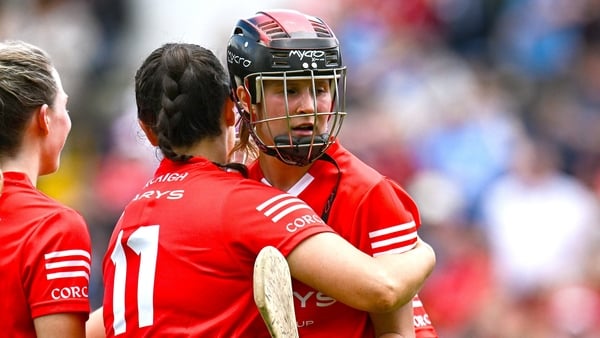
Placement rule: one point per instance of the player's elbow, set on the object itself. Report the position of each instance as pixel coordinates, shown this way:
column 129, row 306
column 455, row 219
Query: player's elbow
column 389, row 296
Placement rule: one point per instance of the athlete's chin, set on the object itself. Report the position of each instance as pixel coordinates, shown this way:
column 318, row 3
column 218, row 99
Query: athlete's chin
column 302, row 134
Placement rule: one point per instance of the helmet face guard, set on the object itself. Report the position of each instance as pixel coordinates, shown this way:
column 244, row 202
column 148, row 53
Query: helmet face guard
column 297, row 150
column 287, row 46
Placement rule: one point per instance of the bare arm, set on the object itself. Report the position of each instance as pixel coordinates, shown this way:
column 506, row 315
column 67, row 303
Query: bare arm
column 366, row 280
column 330, row 264
column 398, row 323
column 60, row 325
column 94, row 327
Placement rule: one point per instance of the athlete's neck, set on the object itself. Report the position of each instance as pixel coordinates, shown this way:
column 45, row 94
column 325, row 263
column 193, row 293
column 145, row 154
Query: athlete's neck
column 214, row 149
column 27, row 161
column 278, row 174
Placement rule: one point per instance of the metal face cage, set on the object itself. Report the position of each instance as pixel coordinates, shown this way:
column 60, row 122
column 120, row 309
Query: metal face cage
column 291, row 149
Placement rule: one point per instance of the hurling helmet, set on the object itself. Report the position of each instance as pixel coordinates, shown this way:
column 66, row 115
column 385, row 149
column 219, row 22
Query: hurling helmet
column 286, row 45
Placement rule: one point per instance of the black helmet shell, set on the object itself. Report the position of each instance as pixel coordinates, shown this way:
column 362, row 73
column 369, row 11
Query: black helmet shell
column 281, row 41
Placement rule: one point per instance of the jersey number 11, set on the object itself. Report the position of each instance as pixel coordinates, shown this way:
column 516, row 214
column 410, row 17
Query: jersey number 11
column 144, row 242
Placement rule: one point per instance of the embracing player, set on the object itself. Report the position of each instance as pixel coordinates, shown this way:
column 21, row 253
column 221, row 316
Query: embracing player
column 180, row 259
column 288, row 79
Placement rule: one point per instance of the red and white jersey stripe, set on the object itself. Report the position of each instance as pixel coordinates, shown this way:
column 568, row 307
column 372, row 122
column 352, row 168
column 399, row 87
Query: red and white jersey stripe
column 394, row 239
column 67, row 264
column 280, row 206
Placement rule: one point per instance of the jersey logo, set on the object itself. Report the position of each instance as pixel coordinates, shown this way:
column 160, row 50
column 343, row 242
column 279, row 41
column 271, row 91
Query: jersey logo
column 280, row 206
column 67, row 264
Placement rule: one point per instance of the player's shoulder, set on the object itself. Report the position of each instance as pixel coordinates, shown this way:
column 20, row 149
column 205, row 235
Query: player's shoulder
column 57, row 227
column 356, row 173
column 256, row 193
column 361, row 179
column 53, row 206
column 352, row 166
column 57, row 217
column 38, row 203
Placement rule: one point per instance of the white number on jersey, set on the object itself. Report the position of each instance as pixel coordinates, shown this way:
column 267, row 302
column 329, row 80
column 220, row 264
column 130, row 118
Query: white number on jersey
column 144, row 242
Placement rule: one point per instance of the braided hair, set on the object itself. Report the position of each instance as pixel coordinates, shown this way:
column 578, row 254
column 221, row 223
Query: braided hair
column 180, row 92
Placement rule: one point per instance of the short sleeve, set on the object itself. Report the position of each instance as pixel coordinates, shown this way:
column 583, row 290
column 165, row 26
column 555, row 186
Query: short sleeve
column 391, row 217
column 56, row 270
column 271, row 217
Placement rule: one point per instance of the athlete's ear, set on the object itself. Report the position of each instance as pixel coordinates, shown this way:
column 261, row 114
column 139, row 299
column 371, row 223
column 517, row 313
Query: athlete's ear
column 229, row 112
column 43, row 118
column 244, row 97
column 149, row 133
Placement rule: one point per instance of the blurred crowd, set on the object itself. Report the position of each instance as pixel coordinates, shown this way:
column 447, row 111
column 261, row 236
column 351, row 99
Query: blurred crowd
column 486, row 111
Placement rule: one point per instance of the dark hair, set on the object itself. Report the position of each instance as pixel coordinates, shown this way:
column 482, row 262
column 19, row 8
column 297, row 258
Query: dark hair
column 26, row 82
column 180, row 91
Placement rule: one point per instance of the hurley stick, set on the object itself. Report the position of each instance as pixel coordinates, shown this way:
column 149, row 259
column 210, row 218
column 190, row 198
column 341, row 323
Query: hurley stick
column 273, row 293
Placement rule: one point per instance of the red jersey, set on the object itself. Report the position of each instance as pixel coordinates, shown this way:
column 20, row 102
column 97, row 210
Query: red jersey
column 45, row 257
column 181, row 257
column 370, row 211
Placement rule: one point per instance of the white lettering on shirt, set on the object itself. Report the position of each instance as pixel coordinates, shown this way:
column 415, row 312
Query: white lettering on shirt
column 157, row 194
column 169, row 177
column 320, row 299
column 69, row 292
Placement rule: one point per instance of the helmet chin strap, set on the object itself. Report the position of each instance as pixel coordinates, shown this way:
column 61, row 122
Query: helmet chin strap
column 301, row 151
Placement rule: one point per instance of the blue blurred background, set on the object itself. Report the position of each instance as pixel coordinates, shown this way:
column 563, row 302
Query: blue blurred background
column 486, row 111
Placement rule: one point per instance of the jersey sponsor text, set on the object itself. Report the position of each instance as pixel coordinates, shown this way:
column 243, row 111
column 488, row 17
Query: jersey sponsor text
column 319, row 299
column 170, row 177
column 157, row 194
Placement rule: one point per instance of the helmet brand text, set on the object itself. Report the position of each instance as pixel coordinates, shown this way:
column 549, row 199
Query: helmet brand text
column 313, row 54
column 239, row 60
